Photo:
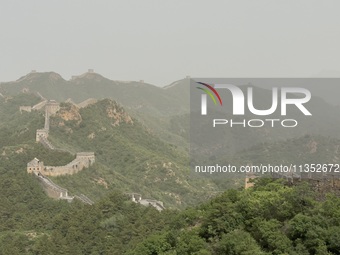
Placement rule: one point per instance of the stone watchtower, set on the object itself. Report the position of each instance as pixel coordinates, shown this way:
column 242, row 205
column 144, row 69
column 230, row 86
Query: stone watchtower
column 41, row 134
column 86, row 158
column 35, row 166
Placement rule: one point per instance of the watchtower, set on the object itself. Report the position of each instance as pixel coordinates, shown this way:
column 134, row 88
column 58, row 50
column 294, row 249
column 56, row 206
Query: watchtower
column 35, row 166
column 86, row 158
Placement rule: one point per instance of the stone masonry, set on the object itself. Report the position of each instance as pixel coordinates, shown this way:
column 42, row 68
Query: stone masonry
column 82, row 160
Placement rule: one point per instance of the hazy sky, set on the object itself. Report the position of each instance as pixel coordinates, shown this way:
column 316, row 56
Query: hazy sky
column 163, row 41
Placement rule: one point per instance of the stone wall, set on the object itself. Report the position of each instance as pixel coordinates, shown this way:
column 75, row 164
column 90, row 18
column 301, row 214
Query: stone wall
column 39, row 106
column 60, row 170
column 82, row 160
column 54, row 191
column 36, row 107
column 25, row 109
column 87, row 102
column 51, row 188
column 36, row 167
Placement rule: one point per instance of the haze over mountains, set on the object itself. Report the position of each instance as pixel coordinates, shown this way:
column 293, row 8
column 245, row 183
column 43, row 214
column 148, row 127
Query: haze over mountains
column 142, row 145
column 139, row 96
column 165, row 111
column 152, row 105
column 129, row 157
column 151, row 152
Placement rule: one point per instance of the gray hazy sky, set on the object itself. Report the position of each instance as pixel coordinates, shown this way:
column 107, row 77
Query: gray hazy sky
column 163, row 41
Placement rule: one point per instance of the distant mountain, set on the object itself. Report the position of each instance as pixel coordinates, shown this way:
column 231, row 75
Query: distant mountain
column 138, row 96
column 165, row 112
column 154, row 106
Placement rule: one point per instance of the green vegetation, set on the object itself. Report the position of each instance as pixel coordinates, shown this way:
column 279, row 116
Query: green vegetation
column 270, row 218
column 129, row 157
column 152, row 105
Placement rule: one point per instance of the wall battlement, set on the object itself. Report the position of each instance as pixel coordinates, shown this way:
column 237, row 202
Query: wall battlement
column 36, row 107
column 57, row 192
column 52, row 189
column 82, row 160
column 37, row 167
column 25, row 109
column 40, row 105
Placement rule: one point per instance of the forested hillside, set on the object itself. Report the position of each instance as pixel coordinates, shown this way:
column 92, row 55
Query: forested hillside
column 130, row 158
column 270, row 218
column 202, row 216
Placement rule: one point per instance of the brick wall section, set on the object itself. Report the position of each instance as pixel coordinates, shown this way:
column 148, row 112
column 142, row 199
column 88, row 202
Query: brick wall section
column 82, row 160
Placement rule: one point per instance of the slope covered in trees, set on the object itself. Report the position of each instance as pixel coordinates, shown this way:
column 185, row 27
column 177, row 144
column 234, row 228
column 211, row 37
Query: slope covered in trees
column 129, row 157
column 270, row 218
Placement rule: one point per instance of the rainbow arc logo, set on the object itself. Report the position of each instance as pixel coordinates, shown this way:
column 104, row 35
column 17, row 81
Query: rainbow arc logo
column 208, row 92
column 211, row 91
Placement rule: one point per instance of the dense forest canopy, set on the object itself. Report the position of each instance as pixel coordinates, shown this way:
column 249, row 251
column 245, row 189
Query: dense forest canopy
column 271, row 218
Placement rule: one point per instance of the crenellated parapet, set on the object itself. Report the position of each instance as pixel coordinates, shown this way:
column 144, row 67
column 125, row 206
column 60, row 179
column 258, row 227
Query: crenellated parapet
column 55, row 191
column 37, row 167
column 82, row 160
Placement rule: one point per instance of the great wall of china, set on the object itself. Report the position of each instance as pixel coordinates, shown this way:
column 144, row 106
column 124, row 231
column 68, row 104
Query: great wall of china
column 57, row 192
column 322, row 182
column 82, row 160
column 37, row 167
